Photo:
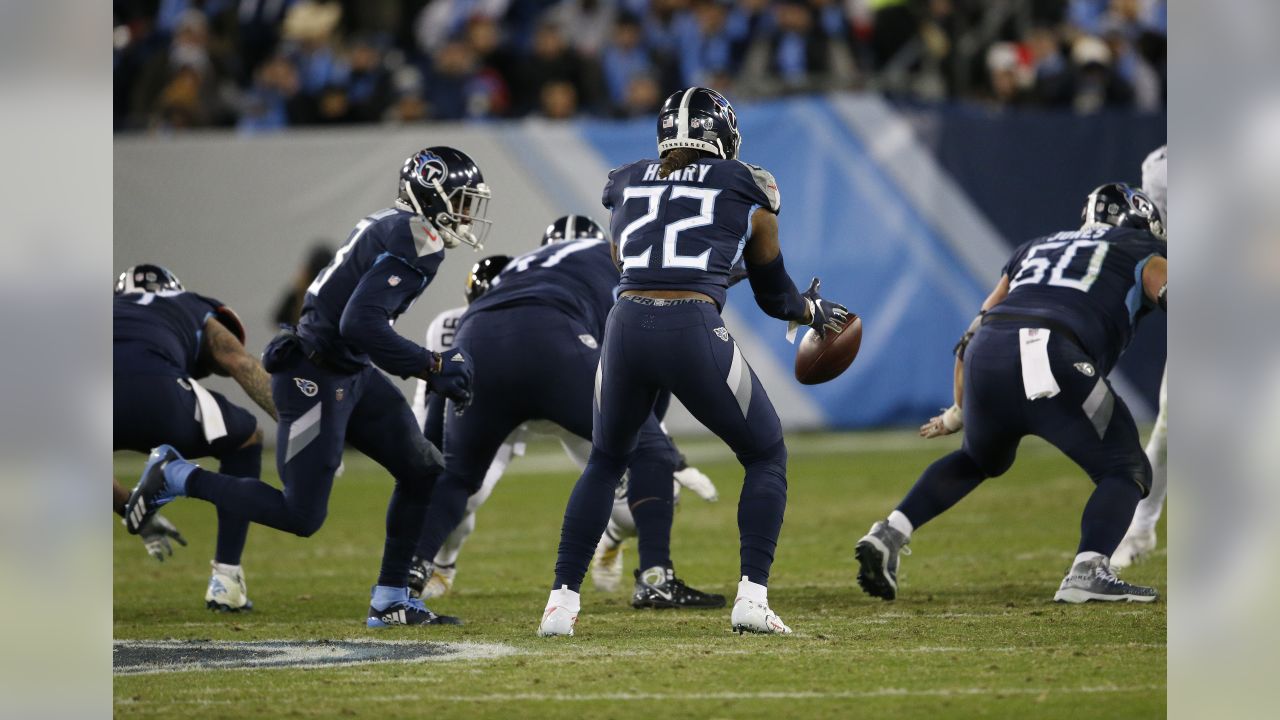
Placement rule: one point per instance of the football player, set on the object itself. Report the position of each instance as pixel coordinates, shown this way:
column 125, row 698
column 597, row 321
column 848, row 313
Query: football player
column 1035, row 362
column 681, row 223
column 430, row 577
column 164, row 340
column 533, row 337
column 1141, row 538
column 328, row 392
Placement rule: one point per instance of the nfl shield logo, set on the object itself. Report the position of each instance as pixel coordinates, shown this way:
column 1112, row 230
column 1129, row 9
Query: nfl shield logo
column 394, row 280
column 338, row 394
column 1085, row 369
column 722, row 333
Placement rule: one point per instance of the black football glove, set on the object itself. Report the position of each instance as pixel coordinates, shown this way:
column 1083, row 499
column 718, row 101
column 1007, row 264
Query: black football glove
column 451, row 377
column 155, row 537
column 826, row 314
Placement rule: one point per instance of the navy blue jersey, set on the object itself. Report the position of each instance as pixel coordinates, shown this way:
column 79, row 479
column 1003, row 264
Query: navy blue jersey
column 1089, row 280
column 347, row 317
column 685, row 232
column 160, row 333
column 577, row 277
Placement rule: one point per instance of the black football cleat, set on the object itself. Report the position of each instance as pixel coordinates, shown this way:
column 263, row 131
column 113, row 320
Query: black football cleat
column 152, row 491
column 408, row 613
column 658, row 587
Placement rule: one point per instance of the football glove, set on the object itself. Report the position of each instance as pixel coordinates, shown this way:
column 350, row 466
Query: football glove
column 451, row 377
column 155, row 537
column 826, row 315
column 950, row 421
column 698, row 483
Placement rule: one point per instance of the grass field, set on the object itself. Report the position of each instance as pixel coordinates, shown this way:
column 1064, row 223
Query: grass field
column 974, row 632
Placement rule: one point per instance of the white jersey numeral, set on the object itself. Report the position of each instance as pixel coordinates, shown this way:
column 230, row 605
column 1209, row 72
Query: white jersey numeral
column 1032, row 270
column 671, row 258
column 327, row 272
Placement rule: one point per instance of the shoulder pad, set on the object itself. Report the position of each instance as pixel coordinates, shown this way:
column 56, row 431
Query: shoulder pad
column 767, row 184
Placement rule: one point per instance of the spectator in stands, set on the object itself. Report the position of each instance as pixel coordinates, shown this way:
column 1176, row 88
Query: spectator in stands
column 1096, row 84
column 178, row 88
column 1051, row 74
column 309, row 39
column 368, row 89
column 553, row 60
column 273, row 103
column 558, row 100
column 624, row 60
column 1009, row 78
column 709, row 47
column 804, row 51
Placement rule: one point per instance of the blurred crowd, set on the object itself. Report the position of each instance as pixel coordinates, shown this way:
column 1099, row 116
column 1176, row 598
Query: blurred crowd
column 262, row 65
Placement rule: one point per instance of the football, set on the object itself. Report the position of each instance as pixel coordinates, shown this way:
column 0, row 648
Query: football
column 819, row 360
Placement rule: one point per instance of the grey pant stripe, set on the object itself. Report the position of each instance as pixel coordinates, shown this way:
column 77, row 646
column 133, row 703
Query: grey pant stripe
column 1098, row 407
column 302, row 431
column 599, row 376
column 739, row 380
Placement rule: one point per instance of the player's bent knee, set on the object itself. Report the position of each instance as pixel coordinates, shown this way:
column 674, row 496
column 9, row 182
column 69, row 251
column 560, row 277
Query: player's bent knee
column 309, row 524
column 254, row 439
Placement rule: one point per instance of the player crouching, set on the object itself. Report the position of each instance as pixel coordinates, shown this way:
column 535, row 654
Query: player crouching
column 1035, row 362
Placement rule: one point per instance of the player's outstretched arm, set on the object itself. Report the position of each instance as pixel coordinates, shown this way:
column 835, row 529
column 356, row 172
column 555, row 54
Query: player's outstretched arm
column 230, row 355
column 774, row 291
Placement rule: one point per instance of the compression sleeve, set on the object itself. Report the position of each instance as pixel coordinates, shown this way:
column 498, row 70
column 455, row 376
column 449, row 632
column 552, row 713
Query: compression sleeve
column 366, row 321
column 775, row 293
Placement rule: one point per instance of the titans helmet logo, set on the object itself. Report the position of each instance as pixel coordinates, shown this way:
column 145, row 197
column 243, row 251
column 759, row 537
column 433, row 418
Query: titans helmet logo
column 431, row 168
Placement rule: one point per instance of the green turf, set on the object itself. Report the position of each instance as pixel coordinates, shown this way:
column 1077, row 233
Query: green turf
column 973, row 634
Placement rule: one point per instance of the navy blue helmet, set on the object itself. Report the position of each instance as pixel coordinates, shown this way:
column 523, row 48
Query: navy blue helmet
column 572, row 227
column 702, row 119
column 445, row 186
column 147, row 278
column 483, row 275
column 1119, row 205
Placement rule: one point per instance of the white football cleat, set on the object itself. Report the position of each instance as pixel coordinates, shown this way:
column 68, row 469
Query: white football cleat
column 606, row 566
column 561, row 613
column 1136, row 545
column 751, row 612
column 227, row 591
column 440, row 582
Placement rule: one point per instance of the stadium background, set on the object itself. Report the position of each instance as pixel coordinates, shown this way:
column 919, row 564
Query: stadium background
column 914, row 142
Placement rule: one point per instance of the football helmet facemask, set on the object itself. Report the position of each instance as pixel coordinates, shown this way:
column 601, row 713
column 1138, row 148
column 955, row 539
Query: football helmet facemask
column 445, row 187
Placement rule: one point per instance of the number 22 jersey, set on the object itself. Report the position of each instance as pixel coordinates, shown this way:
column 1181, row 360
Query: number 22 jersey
column 685, row 231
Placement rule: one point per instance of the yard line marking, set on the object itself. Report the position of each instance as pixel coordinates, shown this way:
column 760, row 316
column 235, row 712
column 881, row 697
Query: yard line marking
column 721, row 696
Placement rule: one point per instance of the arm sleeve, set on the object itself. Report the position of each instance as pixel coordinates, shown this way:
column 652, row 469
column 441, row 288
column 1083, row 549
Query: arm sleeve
column 366, row 321
column 775, row 293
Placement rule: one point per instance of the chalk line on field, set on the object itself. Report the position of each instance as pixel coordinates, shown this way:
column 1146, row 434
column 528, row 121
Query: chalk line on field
column 960, row 692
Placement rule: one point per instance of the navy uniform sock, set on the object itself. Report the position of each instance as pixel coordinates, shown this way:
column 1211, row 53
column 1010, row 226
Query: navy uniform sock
column 233, row 529
column 650, row 497
column 1108, row 513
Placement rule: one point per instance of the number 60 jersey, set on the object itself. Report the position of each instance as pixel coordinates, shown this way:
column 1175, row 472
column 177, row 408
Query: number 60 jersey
column 686, row 231
column 1089, row 280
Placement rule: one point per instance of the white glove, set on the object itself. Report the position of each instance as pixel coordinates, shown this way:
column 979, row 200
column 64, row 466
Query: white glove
column 701, row 485
column 155, row 537
column 950, row 421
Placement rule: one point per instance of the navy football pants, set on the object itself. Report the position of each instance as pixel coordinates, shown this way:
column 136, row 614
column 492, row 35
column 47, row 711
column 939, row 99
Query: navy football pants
column 537, row 363
column 319, row 409
column 151, row 410
column 681, row 347
column 1086, row 420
